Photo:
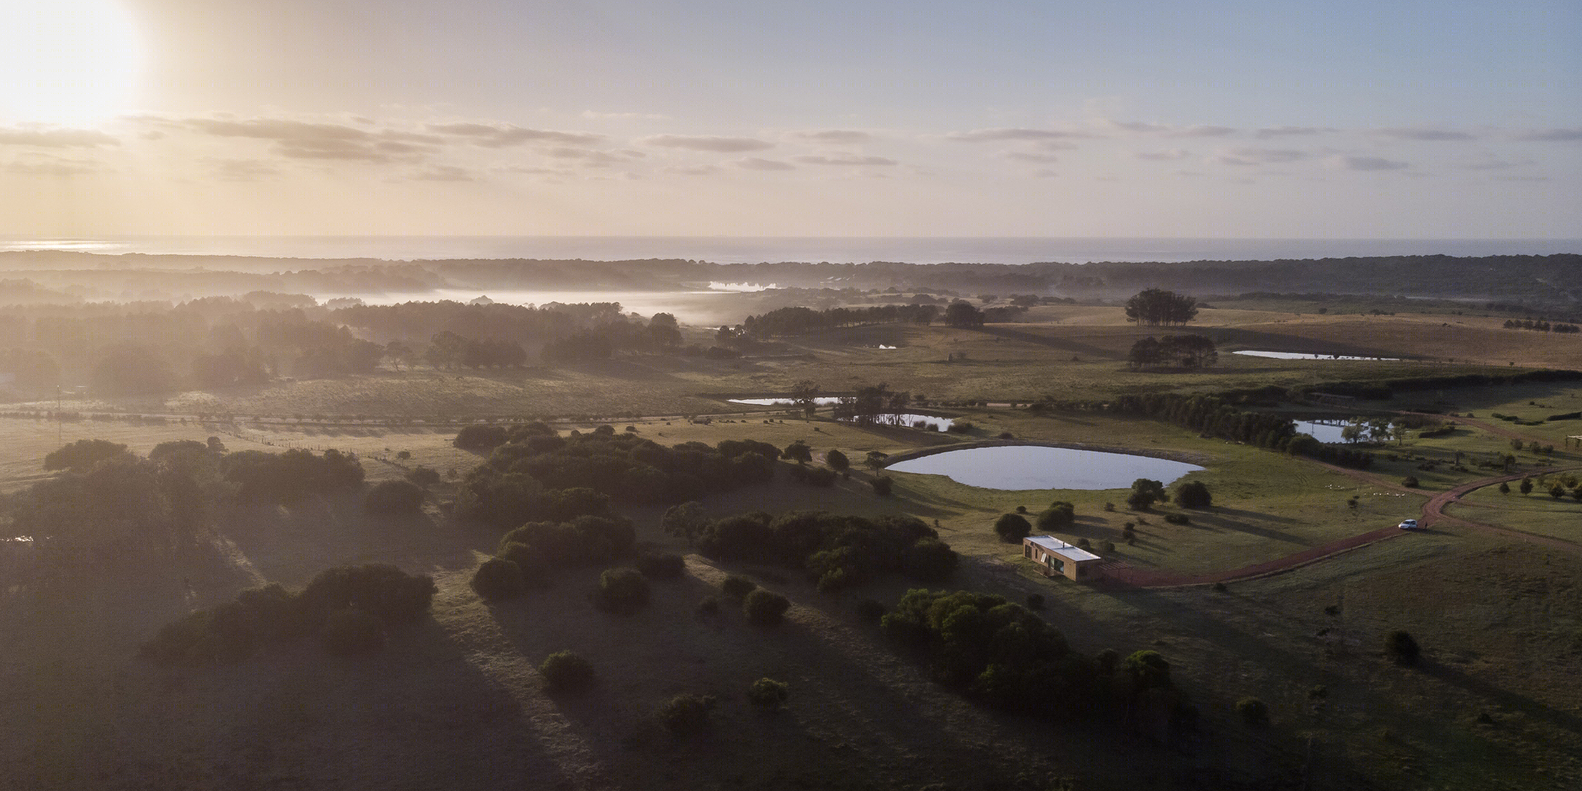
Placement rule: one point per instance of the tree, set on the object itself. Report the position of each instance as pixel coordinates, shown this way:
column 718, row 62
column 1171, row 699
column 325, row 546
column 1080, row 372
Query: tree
column 565, row 671
column 684, row 520
column 83, row 454
column 1193, row 494
column 1145, row 492
column 798, row 452
column 1060, row 515
column 1012, row 528
column 766, row 693
column 127, row 369
column 837, row 461
column 1154, row 307
column 1526, row 486
column 498, row 579
column 805, row 395
column 1144, row 353
column 962, row 314
column 394, row 498
column 1505, row 487
column 664, row 332
column 764, row 608
column 876, row 458
column 1403, row 648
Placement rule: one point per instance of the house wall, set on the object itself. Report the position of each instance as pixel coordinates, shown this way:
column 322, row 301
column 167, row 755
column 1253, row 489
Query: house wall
column 1073, row 570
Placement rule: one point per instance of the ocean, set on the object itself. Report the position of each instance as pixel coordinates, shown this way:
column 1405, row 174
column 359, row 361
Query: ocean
column 917, row 250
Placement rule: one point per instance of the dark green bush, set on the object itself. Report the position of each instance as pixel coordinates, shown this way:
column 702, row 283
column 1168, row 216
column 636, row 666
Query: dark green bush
column 766, row 693
column 1403, row 648
column 497, row 579
column 813, row 476
column 1193, row 494
column 666, row 566
column 1035, row 601
column 529, row 561
column 565, row 671
column 929, row 560
column 351, row 632
column 480, row 438
column 764, row 608
column 423, row 476
column 1059, row 516
column 1253, row 711
column 79, row 456
column 383, row 591
column 882, row 485
column 1012, row 528
column 622, row 591
column 709, row 605
column 737, row 587
column 394, row 498
column 1178, row 519
column 686, row 714
column 1410, row 482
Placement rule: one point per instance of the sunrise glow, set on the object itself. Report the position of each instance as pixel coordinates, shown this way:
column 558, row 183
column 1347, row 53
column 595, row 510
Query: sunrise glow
column 67, row 62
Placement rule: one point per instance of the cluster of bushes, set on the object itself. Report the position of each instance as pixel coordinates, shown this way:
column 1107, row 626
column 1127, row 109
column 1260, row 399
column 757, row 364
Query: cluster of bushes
column 1541, row 326
column 813, row 476
column 838, row 551
column 528, row 476
column 1004, row 655
column 82, row 455
column 348, row 609
column 290, row 476
column 799, row 320
column 1186, row 351
column 394, row 498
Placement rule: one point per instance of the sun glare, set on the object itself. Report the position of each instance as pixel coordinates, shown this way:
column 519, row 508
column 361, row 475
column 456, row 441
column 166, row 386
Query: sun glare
column 66, row 62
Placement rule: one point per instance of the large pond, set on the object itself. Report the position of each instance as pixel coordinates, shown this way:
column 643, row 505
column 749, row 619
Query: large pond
column 908, row 419
column 1305, row 356
column 1024, row 467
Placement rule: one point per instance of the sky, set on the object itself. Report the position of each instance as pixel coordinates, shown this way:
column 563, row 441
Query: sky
column 1275, row 119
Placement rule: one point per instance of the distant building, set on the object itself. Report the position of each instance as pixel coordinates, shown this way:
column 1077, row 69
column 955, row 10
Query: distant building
column 1056, row 558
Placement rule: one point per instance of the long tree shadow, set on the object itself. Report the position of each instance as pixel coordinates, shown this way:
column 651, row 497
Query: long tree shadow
column 1504, row 697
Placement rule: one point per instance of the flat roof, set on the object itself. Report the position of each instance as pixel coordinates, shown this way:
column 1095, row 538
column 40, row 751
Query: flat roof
column 1061, row 548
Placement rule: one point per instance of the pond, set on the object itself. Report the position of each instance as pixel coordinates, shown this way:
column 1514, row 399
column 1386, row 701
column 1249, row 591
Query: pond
column 1306, row 356
column 782, row 401
column 914, row 421
column 1323, row 430
column 1026, row 467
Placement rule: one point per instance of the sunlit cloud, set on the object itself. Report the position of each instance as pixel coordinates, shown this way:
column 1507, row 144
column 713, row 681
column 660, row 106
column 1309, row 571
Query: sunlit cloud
column 1259, row 156
column 51, row 166
column 243, row 170
column 1031, row 156
column 699, row 170
column 850, row 161
column 1164, row 156
column 755, row 163
column 1001, row 135
column 443, row 173
column 723, row 145
column 838, row 136
column 1291, row 131
column 1197, row 130
column 47, row 137
column 502, row 136
column 598, row 116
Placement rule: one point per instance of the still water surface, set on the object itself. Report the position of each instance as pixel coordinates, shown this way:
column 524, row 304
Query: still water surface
column 1025, row 467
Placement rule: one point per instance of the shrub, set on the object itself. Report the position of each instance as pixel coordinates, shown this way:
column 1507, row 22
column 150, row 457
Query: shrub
column 1219, row 587
column 480, row 438
column 765, row 608
column 882, row 485
column 79, row 456
column 1505, row 487
column 351, row 632
column 1035, row 601
column 837, row 461
column 737, row 587
column 386, row 592
column 1193, row 494
column 622, row 591
column 871, row 609
column 686, row 714
column 1060, row 515
column 394, row 498
column 498, row 579
column 1409, row 482
column 709, row 605
column 929, row 560
column 766, row 693
column 565, row 671
column 1403, row 648
column 1109, row 547
column 1012, row 528
column 813, row 476
column 1557, row 491
column 1526, row 486
column 529, row 561
column 1253, row 711
column 1109, row 507
column 962, row 427
column 667, row 566
column 423, row 476
column 1178, row 519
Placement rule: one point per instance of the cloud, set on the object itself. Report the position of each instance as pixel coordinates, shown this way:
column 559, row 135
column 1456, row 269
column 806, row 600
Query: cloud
column 1164, row 156
column 443, row 173
column 1259, row 156
column 595, row 115
column 723, row 145
column 505, row 135
column 847, row 161
column 1290, row 131
column 49, row 165
column 755, row 163
column 1521, row 178
column 1491, row 163
column 1198, row 130
column 1045, row 173
column 243, row 170
column 1031, row 156
column 309, row 140
column 700, row 170
column 55, row 138
column 841, row 136
column 589, row 157
column 1551, row 135
column 1341, row 162
column 998, row 135
column 1425, row 134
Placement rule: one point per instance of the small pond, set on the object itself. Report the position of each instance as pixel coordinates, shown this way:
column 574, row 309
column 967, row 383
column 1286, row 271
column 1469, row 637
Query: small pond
column 1323, row 430
column 1306, row 356
column 914, row 421
column 1025, row 467
column 783, row 401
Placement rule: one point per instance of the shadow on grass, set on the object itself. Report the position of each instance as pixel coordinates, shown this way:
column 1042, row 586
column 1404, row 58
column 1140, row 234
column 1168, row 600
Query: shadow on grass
column 1503, row 697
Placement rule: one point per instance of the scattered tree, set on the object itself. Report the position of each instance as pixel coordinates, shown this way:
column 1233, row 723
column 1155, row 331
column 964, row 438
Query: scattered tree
column 1154, row 307
column 1012, row 528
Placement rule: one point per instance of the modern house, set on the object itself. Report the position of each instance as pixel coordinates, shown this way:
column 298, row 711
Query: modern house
column 1057, row 558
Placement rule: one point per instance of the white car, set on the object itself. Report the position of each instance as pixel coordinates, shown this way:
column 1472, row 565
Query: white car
column 1410, row 524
